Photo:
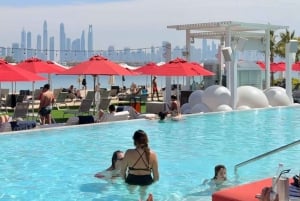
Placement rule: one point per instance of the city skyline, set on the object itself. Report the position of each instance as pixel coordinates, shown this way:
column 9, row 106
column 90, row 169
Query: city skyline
column 137, row 23
column 76, row 49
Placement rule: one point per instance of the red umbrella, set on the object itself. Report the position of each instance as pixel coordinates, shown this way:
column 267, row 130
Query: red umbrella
column 37, row 65
column 10, row 73
column 274, row 67
column 296, row 66
column 97, row 65
column 148, row 69
column 181, row 67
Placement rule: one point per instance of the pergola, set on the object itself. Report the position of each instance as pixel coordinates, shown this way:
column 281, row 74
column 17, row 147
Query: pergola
column 237, row 36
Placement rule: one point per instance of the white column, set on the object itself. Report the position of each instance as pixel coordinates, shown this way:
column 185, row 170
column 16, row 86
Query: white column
column 233, row 79
column 188, row 55
column 290, row 50
column 167, row 97
column 267, row 58
column 227, row 63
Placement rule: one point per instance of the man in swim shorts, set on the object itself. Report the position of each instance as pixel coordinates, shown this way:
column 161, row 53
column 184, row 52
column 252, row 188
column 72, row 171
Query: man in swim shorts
column 46, row 102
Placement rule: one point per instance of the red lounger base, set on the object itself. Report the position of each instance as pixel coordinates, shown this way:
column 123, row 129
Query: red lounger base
column 244, row 192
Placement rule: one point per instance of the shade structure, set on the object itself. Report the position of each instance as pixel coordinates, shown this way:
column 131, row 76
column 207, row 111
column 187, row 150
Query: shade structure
column 37, row 65
column 296, row 66
column 97, row 65
column 274, row 67
column 10, row 73
column 148, row 69
column 181, row 67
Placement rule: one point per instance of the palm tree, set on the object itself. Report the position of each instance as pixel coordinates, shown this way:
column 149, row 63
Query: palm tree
column 284, row 39
column 278, row 49
column 273, row 52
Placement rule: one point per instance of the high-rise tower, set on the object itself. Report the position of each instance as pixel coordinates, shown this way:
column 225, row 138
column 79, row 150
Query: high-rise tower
column 23, row 44
column 51, row 49
column 90, row 41
column 62, row 42
column 29, row 45
column 45, row 40
column 83, row 56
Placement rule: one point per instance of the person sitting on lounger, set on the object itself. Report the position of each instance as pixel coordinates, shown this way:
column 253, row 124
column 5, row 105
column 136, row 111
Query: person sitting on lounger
column 101, row 115
column 73, row 93
column 173, row 109
column 115, row 168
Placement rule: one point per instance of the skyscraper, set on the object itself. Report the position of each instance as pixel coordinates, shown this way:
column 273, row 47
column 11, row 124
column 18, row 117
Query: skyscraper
column 45, row 40
column 62, row 42
column 29, row 45
column 23, row 44
column 90, row 42
column 51, row 48
column 82, row 46
column 39, row 46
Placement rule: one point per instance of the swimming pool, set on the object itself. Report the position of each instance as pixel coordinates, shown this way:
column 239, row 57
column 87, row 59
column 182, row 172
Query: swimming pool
column 59, row 164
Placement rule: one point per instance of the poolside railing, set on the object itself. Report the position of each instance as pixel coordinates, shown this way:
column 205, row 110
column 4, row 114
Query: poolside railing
column 284, row 147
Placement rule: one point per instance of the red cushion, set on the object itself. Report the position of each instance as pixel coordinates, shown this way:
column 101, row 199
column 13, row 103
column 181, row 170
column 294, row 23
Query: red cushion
column 244, row 192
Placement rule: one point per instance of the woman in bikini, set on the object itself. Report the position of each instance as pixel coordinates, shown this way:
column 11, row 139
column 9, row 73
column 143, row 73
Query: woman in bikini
column 140, row 166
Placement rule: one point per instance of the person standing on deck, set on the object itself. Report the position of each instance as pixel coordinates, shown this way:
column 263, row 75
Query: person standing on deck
column 154, row 89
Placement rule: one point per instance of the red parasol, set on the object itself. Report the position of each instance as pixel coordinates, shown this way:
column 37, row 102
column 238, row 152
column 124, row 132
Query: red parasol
column 97, row 65
column 148, row 69
column 10, row 73
column 296, row 66
column 274, row 67
column 37, row 65
column 181, row 67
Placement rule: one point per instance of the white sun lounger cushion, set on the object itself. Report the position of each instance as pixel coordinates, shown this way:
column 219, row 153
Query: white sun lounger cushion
column 118, row 116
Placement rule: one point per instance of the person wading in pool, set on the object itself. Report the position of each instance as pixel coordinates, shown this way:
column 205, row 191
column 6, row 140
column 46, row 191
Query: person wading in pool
column 114, row 170
column 140, row 164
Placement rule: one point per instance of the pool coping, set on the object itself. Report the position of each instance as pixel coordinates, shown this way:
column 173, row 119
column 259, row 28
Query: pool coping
column 64, row 125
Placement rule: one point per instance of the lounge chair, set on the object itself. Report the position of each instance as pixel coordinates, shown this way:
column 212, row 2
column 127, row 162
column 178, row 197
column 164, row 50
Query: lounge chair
column 21, row 110
column 84, row 108
column 61, row 100
column 116, row 116
column 104, row 103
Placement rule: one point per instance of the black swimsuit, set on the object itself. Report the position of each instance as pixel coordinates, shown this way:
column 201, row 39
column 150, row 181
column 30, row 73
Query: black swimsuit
column 140, row 179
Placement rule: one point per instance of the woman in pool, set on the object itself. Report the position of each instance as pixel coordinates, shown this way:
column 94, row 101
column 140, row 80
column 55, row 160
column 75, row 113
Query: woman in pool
column 114, row 169
column 220, row 174
column 217, row 182
column 140, row 166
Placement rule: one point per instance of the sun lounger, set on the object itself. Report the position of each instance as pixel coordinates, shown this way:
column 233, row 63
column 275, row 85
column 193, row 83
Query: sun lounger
column 117, row 116
column 83, row 108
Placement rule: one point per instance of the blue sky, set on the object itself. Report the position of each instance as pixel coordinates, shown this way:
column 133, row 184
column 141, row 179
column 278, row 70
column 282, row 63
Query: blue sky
column 29, row 3
column 136, row 23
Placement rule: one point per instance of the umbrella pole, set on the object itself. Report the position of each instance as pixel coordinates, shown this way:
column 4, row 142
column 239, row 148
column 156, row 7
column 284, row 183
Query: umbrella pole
column 94, row 105
column 32, row 100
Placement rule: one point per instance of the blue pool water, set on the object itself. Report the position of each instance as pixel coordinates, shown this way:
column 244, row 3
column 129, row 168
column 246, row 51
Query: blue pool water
column 59, row 164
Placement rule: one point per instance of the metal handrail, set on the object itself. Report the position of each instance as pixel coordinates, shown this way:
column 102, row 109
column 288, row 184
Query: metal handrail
column 265, row 154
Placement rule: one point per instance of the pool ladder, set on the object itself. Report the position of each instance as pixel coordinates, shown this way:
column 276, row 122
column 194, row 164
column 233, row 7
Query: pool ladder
column 284, row 147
